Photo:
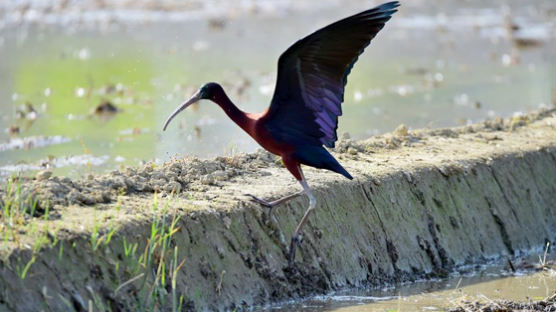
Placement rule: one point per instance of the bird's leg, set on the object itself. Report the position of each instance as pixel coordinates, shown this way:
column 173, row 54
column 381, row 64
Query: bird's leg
column 272, row 204
column 296, row 238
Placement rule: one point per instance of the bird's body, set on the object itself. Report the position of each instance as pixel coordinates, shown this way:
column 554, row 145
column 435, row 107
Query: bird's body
column 303, row 115
column 292, row 152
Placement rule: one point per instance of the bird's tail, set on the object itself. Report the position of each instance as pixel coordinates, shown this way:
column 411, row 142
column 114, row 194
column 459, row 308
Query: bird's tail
column 319, row 157
column 341, row 170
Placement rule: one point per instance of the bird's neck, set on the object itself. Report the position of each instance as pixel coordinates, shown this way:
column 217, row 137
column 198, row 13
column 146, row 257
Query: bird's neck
column 241, row 118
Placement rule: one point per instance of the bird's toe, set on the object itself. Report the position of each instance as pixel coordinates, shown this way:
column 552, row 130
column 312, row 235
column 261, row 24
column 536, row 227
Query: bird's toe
column 297, row 239
column 259, row 201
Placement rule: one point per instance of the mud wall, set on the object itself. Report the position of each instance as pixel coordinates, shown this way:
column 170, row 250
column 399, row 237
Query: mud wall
column 398, row 225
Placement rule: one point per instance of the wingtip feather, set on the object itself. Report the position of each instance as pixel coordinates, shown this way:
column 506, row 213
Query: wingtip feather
column 390, row 5
column 388, row 8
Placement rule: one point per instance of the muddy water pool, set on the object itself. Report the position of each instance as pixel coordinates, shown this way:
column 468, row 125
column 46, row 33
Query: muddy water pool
column 488, row 284
column 78, row 99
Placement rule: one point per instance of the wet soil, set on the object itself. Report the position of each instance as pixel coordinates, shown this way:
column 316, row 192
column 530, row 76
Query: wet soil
column 546, row 305
column 422, row 203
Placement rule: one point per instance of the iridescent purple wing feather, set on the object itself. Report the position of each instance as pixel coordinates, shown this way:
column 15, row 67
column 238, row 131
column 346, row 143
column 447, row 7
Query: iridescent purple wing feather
column 312, row 75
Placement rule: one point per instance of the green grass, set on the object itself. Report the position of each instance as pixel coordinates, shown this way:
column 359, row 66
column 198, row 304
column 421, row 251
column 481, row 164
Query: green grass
column 16, row 207
column 154, row 267
column 97, row 238
column 23, row 269
column 150, row 264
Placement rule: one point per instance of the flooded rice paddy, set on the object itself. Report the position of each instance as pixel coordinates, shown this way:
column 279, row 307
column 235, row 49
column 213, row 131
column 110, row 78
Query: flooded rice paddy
column 91, row 94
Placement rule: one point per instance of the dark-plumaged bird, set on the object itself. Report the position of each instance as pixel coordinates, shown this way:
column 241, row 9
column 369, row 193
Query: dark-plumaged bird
column 303, row 115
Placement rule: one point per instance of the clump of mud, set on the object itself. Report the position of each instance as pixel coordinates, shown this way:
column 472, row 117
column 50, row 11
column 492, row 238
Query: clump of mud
column 404, row 137
column 546, row 305
column 190, row 175
column 175, row 176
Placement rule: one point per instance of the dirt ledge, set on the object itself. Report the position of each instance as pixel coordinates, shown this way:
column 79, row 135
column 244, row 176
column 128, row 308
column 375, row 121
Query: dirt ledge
column 421, row 203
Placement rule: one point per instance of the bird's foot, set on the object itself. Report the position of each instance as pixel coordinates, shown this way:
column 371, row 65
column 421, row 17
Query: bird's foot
column 296, row 241
column 260, row 201
column 264, row 203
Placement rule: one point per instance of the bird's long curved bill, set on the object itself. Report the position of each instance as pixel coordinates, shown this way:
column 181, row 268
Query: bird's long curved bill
column 196, row 97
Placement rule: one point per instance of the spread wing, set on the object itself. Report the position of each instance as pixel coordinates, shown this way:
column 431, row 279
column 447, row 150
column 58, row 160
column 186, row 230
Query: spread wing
column 312, row 74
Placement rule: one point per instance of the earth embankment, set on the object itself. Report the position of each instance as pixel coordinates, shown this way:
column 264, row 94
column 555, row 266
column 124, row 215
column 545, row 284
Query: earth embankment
column 184, row 235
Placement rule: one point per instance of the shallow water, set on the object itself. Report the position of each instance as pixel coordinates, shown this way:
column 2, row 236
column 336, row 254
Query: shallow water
column 491, row 283
column 430, row 67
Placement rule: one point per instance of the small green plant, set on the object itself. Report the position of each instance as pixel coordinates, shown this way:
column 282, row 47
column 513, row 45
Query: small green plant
column 155, row 267
column 43, row 239
column 16, row 206
column 46, row 211
column 232, row 150
column 66, row 302
column 129, row 249
column 23, row 270
column 60, row 251
column 174, row 268
column 97, row 239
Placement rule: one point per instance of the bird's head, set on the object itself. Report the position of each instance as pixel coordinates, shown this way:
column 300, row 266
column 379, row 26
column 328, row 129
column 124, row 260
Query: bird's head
column 209, row 91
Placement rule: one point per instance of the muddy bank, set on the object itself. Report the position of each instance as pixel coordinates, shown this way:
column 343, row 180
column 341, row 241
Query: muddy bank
column 183, row 235
column 546, row 305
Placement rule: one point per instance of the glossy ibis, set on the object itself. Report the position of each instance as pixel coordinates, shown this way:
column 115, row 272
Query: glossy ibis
column 303, row 115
